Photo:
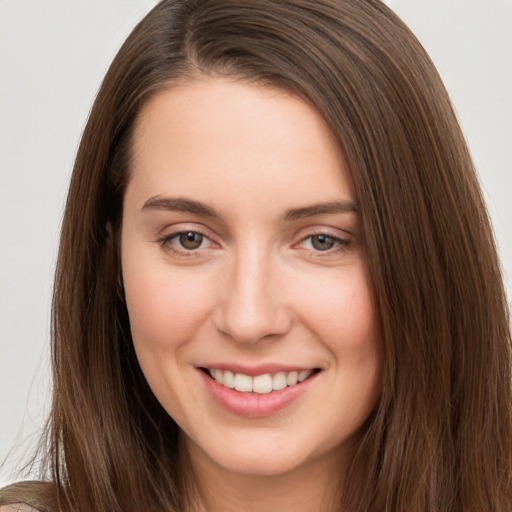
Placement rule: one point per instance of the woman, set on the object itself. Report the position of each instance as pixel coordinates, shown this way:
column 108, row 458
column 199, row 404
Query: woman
column 277, row 286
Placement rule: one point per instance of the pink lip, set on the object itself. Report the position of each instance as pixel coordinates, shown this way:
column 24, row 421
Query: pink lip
column 254, row 405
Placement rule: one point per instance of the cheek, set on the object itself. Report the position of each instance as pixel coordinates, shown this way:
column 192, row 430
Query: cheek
column 344, row 317
column 165, row 307
column 343, row 314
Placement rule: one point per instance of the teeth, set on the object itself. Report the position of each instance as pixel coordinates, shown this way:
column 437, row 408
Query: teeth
column 229, row 379
column 279, row 381
column 304, row 374
column 292, row 378
column 261, row 384
column 218, row 375
column 242, row 382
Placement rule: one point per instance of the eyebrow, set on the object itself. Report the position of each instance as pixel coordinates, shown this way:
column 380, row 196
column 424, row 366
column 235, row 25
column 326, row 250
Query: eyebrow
column 179, row 204
column 345, row 206
column 182, row 204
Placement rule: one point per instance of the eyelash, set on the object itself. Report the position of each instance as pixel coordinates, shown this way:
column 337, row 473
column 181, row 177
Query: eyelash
column 184, row 253
column 340, row 244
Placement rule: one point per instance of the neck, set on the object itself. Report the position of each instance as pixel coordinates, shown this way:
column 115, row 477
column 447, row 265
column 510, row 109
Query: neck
column 308, row 488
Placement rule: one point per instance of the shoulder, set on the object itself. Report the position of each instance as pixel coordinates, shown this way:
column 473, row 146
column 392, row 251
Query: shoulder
column 30, row 496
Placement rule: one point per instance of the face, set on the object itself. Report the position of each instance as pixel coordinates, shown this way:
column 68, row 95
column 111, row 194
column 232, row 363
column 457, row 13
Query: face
column 246, row 285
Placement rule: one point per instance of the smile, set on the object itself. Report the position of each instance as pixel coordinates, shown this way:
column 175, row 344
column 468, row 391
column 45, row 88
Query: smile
column 260, row 384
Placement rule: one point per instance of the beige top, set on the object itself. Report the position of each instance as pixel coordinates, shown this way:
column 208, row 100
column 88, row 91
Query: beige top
column 18, row 507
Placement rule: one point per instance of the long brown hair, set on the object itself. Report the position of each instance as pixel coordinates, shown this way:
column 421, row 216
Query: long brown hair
column 440, row 437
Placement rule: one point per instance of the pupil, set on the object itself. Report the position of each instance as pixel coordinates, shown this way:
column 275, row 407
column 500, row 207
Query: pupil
column 322, row 242
column 191, row 240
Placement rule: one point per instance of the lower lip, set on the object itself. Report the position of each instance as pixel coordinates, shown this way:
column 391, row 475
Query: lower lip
column 254, row 405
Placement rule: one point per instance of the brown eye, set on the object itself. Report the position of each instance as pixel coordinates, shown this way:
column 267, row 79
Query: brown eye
column 190, row 240
column 323, row 242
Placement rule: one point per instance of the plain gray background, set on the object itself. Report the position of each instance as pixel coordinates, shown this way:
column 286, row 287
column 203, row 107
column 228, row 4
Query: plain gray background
column 53, row 55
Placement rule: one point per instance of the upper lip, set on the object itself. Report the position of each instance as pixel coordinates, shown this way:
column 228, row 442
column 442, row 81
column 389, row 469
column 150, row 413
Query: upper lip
column 255, row 370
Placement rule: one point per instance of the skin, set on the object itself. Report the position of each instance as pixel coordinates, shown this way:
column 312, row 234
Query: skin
column 256, row 291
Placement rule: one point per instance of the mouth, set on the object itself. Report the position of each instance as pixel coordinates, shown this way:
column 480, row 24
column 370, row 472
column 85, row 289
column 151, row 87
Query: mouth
column 259, row 384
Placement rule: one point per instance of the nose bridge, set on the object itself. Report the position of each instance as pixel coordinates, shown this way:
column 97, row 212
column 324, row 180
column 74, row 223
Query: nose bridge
column 253, row 305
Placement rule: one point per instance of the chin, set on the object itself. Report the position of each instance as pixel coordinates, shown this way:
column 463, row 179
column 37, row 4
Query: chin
column 265, row 456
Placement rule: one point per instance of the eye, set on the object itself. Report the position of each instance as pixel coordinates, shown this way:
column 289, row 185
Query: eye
column 184, row 241
column 190, row 240
column 323, row 242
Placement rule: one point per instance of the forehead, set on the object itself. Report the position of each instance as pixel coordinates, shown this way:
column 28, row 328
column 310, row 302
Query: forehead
column 249, row 137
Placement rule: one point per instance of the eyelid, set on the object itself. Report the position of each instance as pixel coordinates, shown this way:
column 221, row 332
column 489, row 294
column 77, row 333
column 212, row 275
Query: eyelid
column 337, row 233
column 339, row 242
column 342, row 238
column 184, row 227
column 174, row 231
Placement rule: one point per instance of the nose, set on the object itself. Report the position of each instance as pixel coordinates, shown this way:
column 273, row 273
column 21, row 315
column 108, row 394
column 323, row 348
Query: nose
column 253, row 306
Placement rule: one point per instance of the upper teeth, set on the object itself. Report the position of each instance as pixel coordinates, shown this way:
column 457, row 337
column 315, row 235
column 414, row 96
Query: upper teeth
column 261, row 383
